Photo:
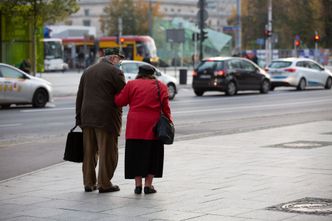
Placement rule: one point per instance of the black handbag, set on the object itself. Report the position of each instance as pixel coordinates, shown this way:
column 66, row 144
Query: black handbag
column 164, row 128
column 74, row 146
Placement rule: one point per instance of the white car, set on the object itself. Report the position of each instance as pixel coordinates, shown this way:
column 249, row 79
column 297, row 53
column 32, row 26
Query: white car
column 130, row 70
column 17, row 87
column 299, row 73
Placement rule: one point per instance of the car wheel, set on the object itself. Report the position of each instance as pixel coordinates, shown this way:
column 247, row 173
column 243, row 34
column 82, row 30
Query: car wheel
column 198, row 92
column 40, row 98
column 265, row 87
column 231, row 89
column 171, row 91
column 302, row 85
column 328, row 84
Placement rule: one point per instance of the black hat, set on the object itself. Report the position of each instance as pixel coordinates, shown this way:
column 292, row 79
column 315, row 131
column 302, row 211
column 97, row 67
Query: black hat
column 146, row 69
column 113, row 51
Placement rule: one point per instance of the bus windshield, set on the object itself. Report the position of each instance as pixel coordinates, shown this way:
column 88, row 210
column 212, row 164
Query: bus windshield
column 53, row 49
column 146, row 49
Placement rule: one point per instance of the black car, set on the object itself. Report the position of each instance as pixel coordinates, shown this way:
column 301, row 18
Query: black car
column 230, row 75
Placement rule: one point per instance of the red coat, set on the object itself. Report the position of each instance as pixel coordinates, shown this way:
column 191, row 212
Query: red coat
column 144, row 107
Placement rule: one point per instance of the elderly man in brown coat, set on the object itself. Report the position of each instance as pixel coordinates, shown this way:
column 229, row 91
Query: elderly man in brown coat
column 100, row 120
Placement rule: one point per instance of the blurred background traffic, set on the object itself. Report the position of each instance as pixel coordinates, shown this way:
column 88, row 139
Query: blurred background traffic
column 52, row 35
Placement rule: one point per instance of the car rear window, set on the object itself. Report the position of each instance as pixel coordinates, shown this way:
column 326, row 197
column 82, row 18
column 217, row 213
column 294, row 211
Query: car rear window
column 213, row 65
column 280, row 64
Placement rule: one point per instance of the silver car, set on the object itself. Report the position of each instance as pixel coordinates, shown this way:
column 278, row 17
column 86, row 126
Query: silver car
column 17, row 87
column 299, row 73
column 130, row 69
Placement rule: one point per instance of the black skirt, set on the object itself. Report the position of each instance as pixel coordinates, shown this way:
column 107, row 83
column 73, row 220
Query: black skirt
column 144, row 157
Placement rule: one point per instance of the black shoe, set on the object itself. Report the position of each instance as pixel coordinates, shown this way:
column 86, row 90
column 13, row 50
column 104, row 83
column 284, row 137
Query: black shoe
column 90, row 189
column 113, row 188
column 149, row 190
column 138, row 190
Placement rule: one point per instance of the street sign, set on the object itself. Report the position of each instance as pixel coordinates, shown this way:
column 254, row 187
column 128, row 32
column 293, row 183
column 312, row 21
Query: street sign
column 175, row 35
column 230, row 28
column 260, row 41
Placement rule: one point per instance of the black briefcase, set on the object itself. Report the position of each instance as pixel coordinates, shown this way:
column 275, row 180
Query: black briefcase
column 74, row 146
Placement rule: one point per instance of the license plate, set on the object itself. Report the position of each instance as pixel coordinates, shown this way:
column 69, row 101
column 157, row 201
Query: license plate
column 275, row 72
column 205, row 76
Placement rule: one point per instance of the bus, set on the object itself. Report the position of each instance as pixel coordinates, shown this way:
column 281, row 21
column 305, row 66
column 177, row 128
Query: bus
column 134, row 47
column 53, row 55
column 80, row 52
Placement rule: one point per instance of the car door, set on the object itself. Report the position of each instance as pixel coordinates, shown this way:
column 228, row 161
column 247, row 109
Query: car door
column 130, row 70
column 319, row 76
column 17, row 87
column 2, row 86
column 304, row 70
column 235, row 70
column 252, row 76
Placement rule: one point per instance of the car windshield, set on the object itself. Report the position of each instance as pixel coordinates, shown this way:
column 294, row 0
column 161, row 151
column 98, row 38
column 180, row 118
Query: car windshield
column 280, row 64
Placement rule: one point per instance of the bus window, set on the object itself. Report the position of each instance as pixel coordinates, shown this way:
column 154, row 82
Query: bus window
column 128, row 52
column 53, row 49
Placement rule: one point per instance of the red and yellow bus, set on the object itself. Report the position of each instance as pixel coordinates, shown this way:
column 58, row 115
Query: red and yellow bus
column 134, row 47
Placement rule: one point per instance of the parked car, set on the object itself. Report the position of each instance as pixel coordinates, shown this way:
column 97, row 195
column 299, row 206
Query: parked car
column 230, row 75
column 130, row 69
column 299, row 73
column 18, row 87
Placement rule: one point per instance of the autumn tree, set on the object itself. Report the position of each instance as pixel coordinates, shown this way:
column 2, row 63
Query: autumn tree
column 134, row 14
column 37, row 13
column 290, row 18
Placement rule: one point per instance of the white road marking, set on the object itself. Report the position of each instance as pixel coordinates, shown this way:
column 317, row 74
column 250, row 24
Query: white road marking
column 10, row 125
column 48, row 109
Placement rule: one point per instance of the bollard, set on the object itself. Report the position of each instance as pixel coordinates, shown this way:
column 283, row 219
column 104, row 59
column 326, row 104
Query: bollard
column 183, row 76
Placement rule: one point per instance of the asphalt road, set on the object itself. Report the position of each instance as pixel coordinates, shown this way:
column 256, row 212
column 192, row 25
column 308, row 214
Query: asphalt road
column 31, row 139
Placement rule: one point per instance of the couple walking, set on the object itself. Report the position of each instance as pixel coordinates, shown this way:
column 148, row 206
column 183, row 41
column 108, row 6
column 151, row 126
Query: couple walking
column 101, row 94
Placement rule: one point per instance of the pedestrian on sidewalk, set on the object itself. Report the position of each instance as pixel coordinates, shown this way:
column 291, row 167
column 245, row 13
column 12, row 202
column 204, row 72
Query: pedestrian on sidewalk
column 100, row 120
column 144, row 154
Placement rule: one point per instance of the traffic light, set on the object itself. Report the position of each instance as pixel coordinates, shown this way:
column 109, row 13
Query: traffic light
column 204, row 35
column 316, row 38
column 267, row 33
column 297, row 43
column 122, row 40
column 195, row 36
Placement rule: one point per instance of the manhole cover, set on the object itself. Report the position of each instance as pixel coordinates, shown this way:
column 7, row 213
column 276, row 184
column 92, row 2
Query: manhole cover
column 316, row 206
column 302, row 144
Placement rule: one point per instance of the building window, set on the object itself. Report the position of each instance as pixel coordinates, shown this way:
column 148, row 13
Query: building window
column 69, row 22
column 86, row 22
column 86, row 12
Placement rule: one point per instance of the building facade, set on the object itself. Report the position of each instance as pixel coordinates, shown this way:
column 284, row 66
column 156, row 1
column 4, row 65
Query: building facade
column 218, row 12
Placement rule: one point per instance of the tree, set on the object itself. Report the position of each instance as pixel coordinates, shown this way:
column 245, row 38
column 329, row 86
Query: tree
column 37, row 13
column 134, row 16
column 290, row 18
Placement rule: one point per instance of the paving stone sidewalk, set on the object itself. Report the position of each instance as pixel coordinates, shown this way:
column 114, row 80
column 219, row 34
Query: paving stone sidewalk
column 230, row 177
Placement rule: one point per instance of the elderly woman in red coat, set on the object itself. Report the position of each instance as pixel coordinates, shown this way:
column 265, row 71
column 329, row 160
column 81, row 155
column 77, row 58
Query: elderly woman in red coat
column 144, row 154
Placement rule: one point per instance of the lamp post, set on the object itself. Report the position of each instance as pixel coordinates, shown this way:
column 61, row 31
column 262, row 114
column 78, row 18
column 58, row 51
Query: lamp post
column 268, row 46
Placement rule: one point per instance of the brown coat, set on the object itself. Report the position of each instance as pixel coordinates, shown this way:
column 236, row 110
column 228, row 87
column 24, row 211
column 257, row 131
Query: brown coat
column 95, row 97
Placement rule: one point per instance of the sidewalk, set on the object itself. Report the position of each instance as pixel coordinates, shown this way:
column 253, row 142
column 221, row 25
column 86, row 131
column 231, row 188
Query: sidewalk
column 230, row 177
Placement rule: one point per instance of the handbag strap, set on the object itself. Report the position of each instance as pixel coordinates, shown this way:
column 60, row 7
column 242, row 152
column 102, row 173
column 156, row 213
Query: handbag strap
column 71, row 130
column 161, row 104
